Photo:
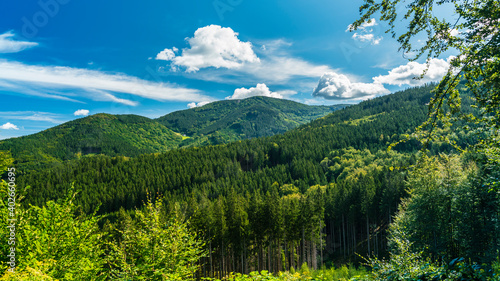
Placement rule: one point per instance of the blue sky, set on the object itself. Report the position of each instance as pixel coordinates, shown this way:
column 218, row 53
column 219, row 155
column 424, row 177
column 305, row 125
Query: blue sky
column 65, row 59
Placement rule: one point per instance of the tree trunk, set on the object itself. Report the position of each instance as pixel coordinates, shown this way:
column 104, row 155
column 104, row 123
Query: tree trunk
column 285, row 265
column 321, row 243
column 343, row 229
column 354, row 236
column 314, row 256
column 210, row 249
column 269, row 258
column 222, row 249
column 368, row 234
column 260, row 258
column 303, row 247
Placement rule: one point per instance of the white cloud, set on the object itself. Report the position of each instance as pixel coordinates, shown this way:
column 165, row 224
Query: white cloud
column 216, row 54
column 212, row 46
column 367, row 38
column 365, row 25
column 98, row 95
column 334, row 86
column 259, row 90
column 406, row 74
column 8, row 45
column 167, row 54
column 366, row 32
column 96, row 84
column 9, row 126
column 200, row 104
column 81, row 112
column 48, row 92
column 280, row 69
column 454, row 32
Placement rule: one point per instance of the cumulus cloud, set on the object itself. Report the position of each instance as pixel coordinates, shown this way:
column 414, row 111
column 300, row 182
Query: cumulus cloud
column 407, row 74
column 9, row 126
column 96, row 85
column 9, row 45
column 334, row 86
column 216, row 54
column 81, row 112
column 260, row 90
column 167, row 54
column 199, row 104
column 212, row 46
column 366, row 32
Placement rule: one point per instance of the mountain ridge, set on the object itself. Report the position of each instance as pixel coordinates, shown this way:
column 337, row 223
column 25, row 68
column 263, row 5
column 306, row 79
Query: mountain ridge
column 131, row 135
column 254, row 117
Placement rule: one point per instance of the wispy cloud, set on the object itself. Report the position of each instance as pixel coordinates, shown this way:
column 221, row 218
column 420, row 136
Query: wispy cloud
column 9, row 45
column 33, row 116
column 366, row 32
column 95, row 84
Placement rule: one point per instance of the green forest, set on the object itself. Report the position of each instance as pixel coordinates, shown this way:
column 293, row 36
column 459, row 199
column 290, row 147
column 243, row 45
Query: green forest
column 400, row 187
column 133, row 135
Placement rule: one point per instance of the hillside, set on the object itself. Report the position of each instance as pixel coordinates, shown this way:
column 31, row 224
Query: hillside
column 230, row 120
column 132, row 135
column 111, row 135
column 329, row 176
column 292, row 157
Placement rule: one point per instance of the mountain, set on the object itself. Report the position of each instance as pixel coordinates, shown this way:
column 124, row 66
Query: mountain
column 112, row 135
column 230, row 120
column 329, row 178
column 296, row 157
column 132, row 135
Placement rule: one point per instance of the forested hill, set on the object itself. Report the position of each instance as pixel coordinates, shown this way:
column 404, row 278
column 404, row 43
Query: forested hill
column 264, row 197
column 132, row 135
column 230, row 120
column 112, row 135
column 295, row 157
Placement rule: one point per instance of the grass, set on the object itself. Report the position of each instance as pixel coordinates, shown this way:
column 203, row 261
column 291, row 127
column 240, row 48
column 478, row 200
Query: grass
column 345, row 272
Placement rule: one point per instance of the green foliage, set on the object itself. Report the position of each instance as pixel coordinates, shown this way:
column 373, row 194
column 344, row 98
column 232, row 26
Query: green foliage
column 453, row 206
column 409, row 265
column 473, row 31
column 6, row 161
column 230, row 120
column 153, row 247
column 112, row 135
column 269, row 203
column 321, row 192
column 53, row 243
column 450, row 212
column 132, row 135
column 292, row 158
column 342, row 273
